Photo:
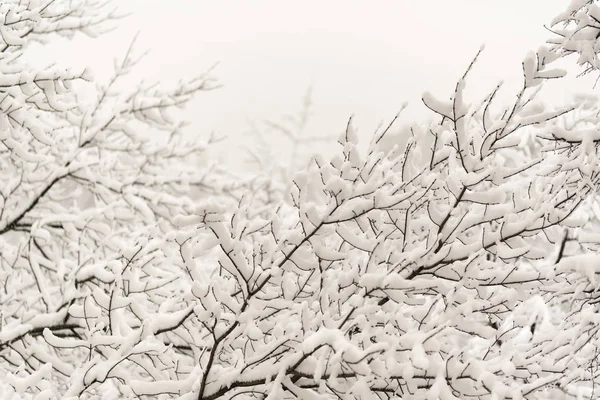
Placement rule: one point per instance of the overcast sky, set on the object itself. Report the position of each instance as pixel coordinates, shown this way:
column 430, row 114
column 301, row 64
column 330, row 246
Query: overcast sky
column 360, row 57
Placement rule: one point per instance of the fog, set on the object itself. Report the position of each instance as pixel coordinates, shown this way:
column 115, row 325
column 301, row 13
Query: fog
column 354, row 58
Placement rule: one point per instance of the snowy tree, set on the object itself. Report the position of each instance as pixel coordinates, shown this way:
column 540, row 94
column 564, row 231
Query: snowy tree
column 389, row 277
column 435, row 270
column 577, row 30
column 87, row 170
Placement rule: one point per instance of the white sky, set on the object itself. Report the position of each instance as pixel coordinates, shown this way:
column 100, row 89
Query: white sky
column 361, row 57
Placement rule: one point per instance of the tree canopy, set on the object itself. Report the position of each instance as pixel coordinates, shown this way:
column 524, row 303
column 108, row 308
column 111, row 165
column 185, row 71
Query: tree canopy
column 461, row 263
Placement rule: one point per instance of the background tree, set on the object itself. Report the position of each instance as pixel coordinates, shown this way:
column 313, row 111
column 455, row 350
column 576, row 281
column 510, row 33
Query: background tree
column 284, row 146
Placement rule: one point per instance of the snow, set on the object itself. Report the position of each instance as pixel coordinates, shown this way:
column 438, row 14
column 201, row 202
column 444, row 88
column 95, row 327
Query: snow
column 21, row 152
column 443, row 108
column 97, row 271
column 530, row 69
column 354, row 238
column 587, row 265
column 418, row 357
column 552, row 74
column 17, row 328
column 22, row 384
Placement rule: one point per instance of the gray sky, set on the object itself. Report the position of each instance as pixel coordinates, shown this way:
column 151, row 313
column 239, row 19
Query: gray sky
column 361, row 57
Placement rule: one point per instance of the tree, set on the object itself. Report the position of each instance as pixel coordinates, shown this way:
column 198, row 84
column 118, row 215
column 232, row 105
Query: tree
column 83, row 179
column 576, row 31
column 282, row 147
column 435, row 270
column 396, row 279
